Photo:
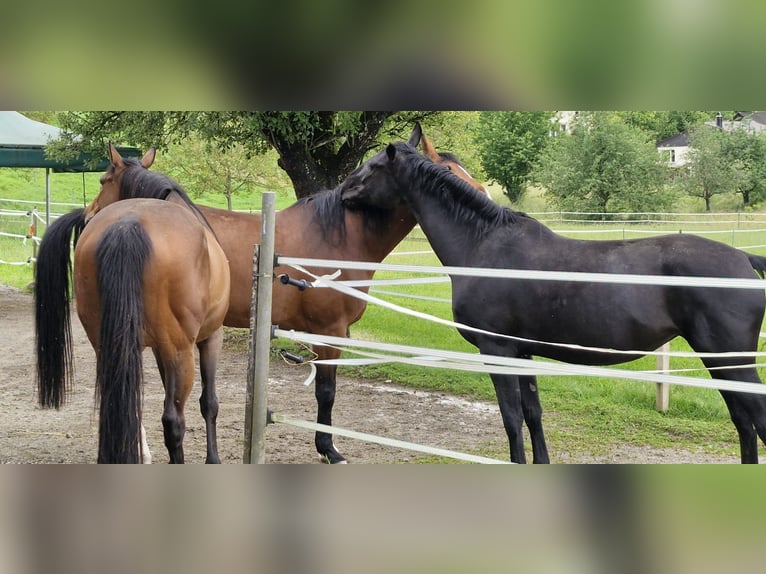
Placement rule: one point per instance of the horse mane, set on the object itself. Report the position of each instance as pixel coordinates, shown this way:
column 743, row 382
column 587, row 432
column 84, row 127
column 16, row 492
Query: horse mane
column 464, row 202
column 139, row 182
column 449, row 156
column 329, row 213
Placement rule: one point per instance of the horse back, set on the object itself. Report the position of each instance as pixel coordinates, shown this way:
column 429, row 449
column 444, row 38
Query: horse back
column 185, row 279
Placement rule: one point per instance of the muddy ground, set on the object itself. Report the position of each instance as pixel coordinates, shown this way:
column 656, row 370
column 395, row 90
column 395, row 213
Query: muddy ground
column 29, row 434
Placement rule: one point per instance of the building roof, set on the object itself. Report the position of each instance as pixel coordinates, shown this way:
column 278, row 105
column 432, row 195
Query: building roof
column 678, row 140
column 23, row 141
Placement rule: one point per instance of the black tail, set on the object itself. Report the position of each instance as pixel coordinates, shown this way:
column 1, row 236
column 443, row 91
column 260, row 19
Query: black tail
column 758, row 263
column 121, row 255
column 53, row 330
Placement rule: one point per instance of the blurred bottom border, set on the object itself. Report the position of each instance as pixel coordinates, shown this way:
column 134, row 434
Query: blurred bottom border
column 318, row 519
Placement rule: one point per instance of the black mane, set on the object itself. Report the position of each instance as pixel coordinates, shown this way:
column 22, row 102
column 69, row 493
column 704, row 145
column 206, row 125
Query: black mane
column 330, row 215
column 465, row 203
column 139, row 182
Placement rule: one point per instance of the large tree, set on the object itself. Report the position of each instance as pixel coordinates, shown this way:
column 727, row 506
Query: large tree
column 745, row 152
column 316, row 149
column 710, row 172
column 603, row 165
column 204, row 168
column 509, row 143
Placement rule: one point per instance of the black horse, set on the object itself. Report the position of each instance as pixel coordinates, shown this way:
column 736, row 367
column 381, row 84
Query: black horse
column 466, row 229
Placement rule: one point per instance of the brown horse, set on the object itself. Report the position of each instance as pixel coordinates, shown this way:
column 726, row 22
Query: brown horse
column 147, row 273
column 315, row 227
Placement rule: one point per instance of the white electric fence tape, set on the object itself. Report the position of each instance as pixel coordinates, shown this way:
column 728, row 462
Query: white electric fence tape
column 328, row 281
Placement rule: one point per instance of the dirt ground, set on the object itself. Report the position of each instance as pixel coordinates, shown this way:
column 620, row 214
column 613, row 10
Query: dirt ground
column 29, row 434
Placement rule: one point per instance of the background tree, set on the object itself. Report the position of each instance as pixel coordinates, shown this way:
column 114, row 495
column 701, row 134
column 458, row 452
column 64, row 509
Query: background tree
column 204, row 168
column 710, row 172
column 316, row 149
column 509, row 143
column 604, row 165
column 456, row 132
column 745, row 152
column 664, row 124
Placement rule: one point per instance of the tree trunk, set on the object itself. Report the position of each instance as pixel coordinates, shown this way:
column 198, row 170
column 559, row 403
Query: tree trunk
column 320, row 165
column 306, row 176
column 229, row 191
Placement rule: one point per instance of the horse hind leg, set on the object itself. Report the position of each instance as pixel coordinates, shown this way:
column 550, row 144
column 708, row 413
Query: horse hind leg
column 179, row 376
column 748, row 439
column 747, row 411
column 146, row 455
column 209, row 352
column 750, row 408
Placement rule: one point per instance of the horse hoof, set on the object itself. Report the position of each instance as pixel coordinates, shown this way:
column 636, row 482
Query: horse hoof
column 332, row 458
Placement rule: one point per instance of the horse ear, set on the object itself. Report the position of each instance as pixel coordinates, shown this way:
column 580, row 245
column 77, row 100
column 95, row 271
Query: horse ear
column 390, row 152
column 115, row 157
column 148, row 158
column 429, row 150
column 417, row 133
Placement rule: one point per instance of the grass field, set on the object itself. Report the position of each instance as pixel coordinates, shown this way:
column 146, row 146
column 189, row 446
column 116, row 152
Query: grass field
column 590, row 414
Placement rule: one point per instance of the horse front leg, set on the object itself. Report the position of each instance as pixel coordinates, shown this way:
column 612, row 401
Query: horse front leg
column 533, row 416
column 324, row 390
column 209, row 352
column 509, row 400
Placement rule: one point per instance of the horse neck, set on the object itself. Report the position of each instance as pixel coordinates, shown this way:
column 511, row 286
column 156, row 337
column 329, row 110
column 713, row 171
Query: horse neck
column 375, row 244
column 452, row 239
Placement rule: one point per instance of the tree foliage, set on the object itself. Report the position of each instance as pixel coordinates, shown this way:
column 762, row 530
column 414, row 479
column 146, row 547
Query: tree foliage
column 745, row 153
column 204, row 168
column 316, row 149
column 603, row 165
column 509, row 143
column 664, row 124
column 709, row 171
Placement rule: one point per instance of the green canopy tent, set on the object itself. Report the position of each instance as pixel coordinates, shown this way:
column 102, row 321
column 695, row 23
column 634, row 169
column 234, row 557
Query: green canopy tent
column 22, row 144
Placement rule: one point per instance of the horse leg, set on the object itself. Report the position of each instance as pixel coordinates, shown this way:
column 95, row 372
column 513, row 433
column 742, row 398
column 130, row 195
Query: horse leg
column 324, row 390
column 748, row 412
column 146, row 455
column 179, row 376
column 209, row 351
column 748, row 439
column 533, row 416
column 509, row 400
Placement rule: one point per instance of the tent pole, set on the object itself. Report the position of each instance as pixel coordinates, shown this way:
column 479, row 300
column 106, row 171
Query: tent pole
column 47, row 197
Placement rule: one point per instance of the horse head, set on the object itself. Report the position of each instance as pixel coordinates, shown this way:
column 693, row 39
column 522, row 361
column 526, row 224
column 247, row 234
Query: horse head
column 376, row 183
column 111, row 180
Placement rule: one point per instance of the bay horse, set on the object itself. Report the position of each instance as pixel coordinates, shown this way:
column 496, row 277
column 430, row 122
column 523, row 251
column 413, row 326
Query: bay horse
column 147, row 273
column 318, row 226
column 466, row 229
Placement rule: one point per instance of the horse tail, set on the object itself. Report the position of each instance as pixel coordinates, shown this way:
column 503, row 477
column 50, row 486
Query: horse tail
column 53, row 329
column 120, row 258
column 758, row 262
